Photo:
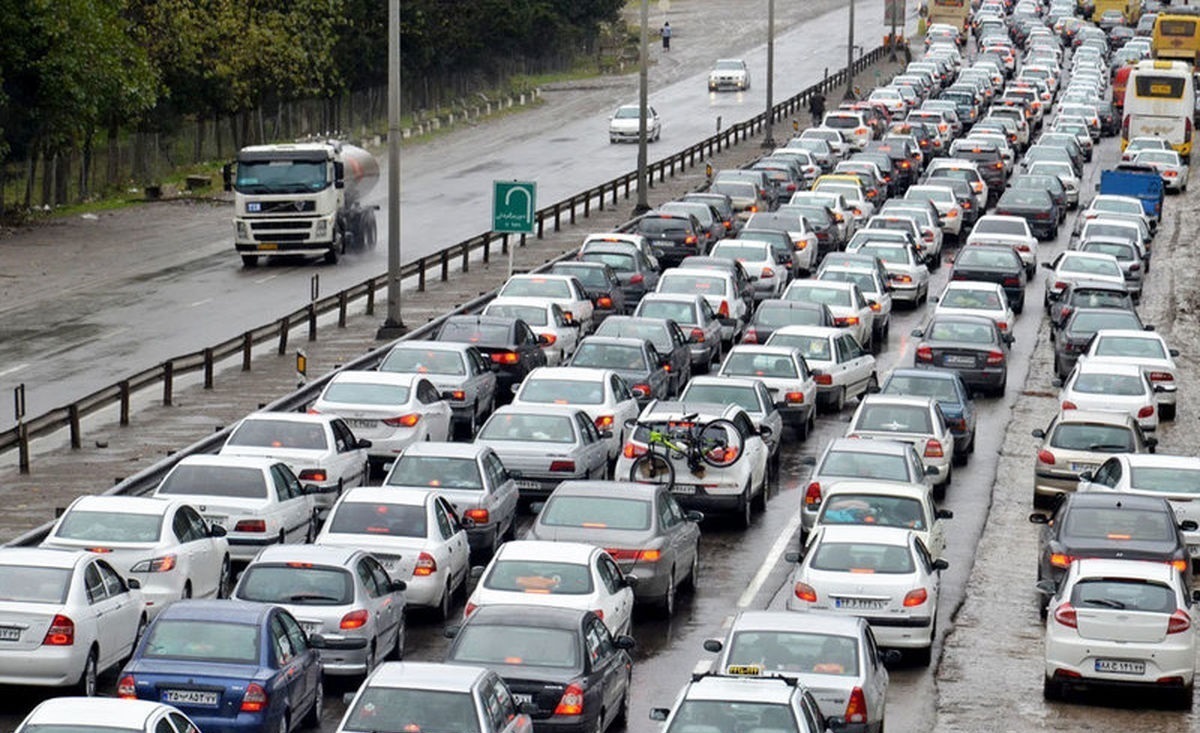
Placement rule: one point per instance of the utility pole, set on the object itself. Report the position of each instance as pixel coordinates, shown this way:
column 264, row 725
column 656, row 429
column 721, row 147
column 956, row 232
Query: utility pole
column 850, row 56
column 894, row 9
column 393, row 327
column 643, row 204
column 769, row 137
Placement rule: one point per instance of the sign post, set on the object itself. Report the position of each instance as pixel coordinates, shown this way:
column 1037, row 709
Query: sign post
column 514, row 208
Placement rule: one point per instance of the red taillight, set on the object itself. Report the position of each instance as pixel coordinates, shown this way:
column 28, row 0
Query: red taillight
column 846, row 321
column 1065, row 615
column 1135, row 267
column 604, row 302
column 1045, row 456
column 927, row 235
column 251, row 525
column 403, row 421
column 767, row 272
column 127, row 688
column 313, row 474
column 794, row 397
column 634, row 555
column 805, row 592
column 632, row 450
column 61, row 632
column 998, row 166
column 690, row 239
column 426, row 565
column 643, row 388
column 823, row 379
column 856, row 707
column 697, row 336
column 933, row 449
column 637, row 278
column 255, row 699
column 479, row 516
column 562, row 466
column 571, row 702
column 1180, row 565
column 603, row 422
column 506, row 357
column 550, row 339
column 995, row 358
column 458, row 395
column 469, row 609
column 723, row 311
column 1002, row 325
column 1146, row 411
column 812, row 495
column 876, row 307
column 924, row 353
column 915, row 597
column 751, row 336
column 1069, row 405
column 355, row 620
column 903, row 279
column 1012, row 281
column 1162, row 377
column 1061, row 560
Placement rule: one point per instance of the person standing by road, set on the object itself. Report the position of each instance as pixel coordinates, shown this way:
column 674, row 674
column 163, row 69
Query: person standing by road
column 816, row 105
column 666, row 35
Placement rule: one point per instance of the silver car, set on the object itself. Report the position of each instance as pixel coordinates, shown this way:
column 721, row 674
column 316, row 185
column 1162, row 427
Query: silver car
column 471, row 477
column 464, row 375
column 697, row 319
column 749, row 394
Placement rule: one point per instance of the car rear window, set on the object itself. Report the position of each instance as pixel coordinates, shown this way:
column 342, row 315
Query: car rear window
column 230, row 481
column 562, row 391
column 682, row 283
column 663, row 227
column 961, row 332
column 366, row 393
column 386, row 709
column 540, row 577
column 862, row 557
column 615, row 260
column 266, row 433
column 423, row 361
column 1092, row 437
column 814, row 348
column 206, row 641
column 610, row 356
column 744, row 397
column 655, row 333
column 437, row 471
column 794, row 651
column 529, row 427
column 744, row 364
column 1122, row 385
column 851, row 464
column 819, row 295
column 742, row 252
column 591, row 276
column 472, row 332
column 875, row 509
column 979, row 299
column 779, row 316
column 682, row 313
column 972, row 257
column 1124, row 524
column 115, row 527
column 1123, row 594
column 296, row 583
column 516, row 645
column 532, row 314
column 537, row 287
column 382, row 520
column 1000, row 226
column 596, row 512
column 32, row 584
column 895, row 419
column 1088, row 323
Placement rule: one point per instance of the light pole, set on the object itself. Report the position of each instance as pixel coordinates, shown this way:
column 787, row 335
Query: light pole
column 894, row 7
column 643, row 204
column 769, row 137
column 393, row 327
column 850, row 56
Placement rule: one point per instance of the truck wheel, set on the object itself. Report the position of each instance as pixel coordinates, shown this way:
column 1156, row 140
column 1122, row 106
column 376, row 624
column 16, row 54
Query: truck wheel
column 250, row 260
column 370, row 231
column 331, row 257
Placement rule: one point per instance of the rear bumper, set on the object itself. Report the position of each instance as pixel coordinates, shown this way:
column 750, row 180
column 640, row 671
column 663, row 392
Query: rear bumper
column 43, row 666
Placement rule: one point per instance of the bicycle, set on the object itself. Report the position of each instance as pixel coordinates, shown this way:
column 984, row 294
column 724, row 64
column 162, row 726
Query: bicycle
column 717, row 443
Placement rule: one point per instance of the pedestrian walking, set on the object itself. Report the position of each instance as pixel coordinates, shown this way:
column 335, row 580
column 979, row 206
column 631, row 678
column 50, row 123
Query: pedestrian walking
column 666, row 35
column 816, row 105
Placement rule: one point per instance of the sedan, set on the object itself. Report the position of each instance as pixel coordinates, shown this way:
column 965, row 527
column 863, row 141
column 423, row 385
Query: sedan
column 558, row 335
column 230, row 666
column 163, row 543
column 875, row 289
column 1173, row 168
column 541, row 445
column 257, row 501
column 65, row 618
column 1147, row 350
column 886, row 504
column 749, row 394
column 636, row 273
column 601, row 284
column 786, row 375
column 841, row 368
column 945, row 386
column 119, row 716
column 773, row 314
column 560, row 662
column 964, row 297
column 511, row 345
column 640, row 526
column 391, row 410
column 668, row 339
column 1078, row 441
column 626, row 122
column 1007, row 230
column 1072, row 338
column 1073, row 266
column 341, row 593
column 463, row 374
column 883, row 574
column 997, row 264
column 602, row 393
column 908, row 275
column 635, row 360
column 558, row 574
column 1124, row 624
column 672, row 236
column 697, row 319
column 1035, row 206
column 1098, row 384
column 565, row 290
column 415, row 535
column 1130, row 256
column 972, row 346
column 915, row 420
column 849, row 306
column 769, row 276
column 718, row 289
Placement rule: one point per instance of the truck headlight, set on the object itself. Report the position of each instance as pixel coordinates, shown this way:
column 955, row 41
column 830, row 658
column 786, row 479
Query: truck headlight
column 322, row 227
column 243, row 231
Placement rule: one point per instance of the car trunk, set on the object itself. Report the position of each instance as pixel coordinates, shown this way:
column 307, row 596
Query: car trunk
column 23, row 626
column 219, row 694
column 959, row 357
column 542, row 686
column 121, row 555
column 1121, row 625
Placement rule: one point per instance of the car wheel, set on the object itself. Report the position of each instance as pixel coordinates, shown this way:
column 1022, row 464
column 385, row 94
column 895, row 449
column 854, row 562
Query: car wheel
column 667, row 604
column 313, row 718
column 1166, row 411
column 86, row 686
column 839, row 400
column 225, row 581
column 693, row 580
column 744, row 518
column 398, row 649
column 446, row 603
column 622, row 718
column 1052, row 689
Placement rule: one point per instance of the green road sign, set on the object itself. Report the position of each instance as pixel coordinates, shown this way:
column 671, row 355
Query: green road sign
column 513, row 206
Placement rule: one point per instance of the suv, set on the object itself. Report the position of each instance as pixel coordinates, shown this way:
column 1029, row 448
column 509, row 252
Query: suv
column 1076, row 442
column 743, row 699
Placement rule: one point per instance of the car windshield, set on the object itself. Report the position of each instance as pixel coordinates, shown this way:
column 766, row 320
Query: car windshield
column 627, row 113
column 473, row 332
column 537, row 287
column 776, row 315
column 886, row 511
column 32, row 584
column 862, row 557
column 1093, row 437
column 749, row 364
column 1119, row 523
column 707, row 716
column 1025, row 197
column 438, row 471
column 820, row 295
column 616, row 260
column 1170, row 480
column 423, row 361
column 365, row 393
column 1089, row 323
column 682, row 313
column 842, row 122
column 117, row 527
column 1103, row 229
column 609, row 356
column 534, row 315
column 894, row 418
column 543, row 390
column 296, row 583
column 590, row 276
column 381, row 520
column 516, row 645
column 851, row 464
column 385, row 709
column 978, row 299
column 525, row 427
column 961, row 332
column 1123, row 594
column 744, row 397
column 596, row 512
column 942, row 390
column 1121, row 385
column 794, row 651
column 267, row 433
column 679, row 282
column 230, row 481
column 204, row 641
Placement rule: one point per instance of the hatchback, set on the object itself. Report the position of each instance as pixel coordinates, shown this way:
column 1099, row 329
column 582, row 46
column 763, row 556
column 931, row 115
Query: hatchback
column 463, row 373
column 119, row 716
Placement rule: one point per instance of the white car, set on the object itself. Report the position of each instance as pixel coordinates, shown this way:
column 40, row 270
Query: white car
column 883, row 574
column 718, row 289
column 835, row 138
column 851, row 124
column 463, row 373
column 1076, row 266
column 1140, row 143
column 886, row 504
column 625, row 123
column 1011, row 230
column 729, row 74
column 414, row 534
column 841, row 367
column 601, row 393
column 119, row 716
column 1064, row 172
column 786, row 375
column 769, row 276
column 907, row 273
column 166, row 545
column 950, row 215
column 559, row 574
column 849, row 306
column 391, row 409
column 65, row 618
column 257, row 501
column 543, row 445
column 1146, row 349
column 917, row 421
column 321, row 450
column 1173, row 168
column 1117, row 622
column 976, row 298
column 566, row 290
column 545, row 318
column 1099, row 384
column 874, row 288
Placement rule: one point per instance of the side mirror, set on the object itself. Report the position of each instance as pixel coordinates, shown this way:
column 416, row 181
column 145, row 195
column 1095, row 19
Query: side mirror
column 216, row 530
column 451, row 631
column 630, row 581
column 640, row 392
column 940, row 564
column 316, row 641
column 624, row 641
column 1189, row 525
column 873, row 388
column 1087, row 476
column 606, row 434
column 694, row 516
column 918, row 332
column 1038, row 433
column 133, row 583
column 631, row 422
column 765, row 431
column 1056, row 382
column 1173, row 352
column 1010, row 339
column 1148, row 327
column 397, row 585
column 1048, row 265
column 943, row 514
column 476, row 572
column 1039, row 518
column 660, row 714
column 716, row 645
column 1046, row 587
column 363, row 444
column 792, row 556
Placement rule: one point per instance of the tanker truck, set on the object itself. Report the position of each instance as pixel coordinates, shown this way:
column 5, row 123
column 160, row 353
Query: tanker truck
column 302, row 199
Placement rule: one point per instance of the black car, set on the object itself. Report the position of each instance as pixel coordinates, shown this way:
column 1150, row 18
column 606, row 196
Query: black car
column 885, row 164
column 562, row 661
column 635, row 359
column 635, row 271
column 1051, row 184
column 994, row 264
column 601, row 284
column 509, row 342
column 972, row 346
column 1108, row 525
column 1084, row 294
column 965, row 196
column 987, row 159
column 668, row 339
column 775, row 314
column 1072, row 337
column 1033, row 205
column 672, row 236
column 1110, row 121
column 901, row 155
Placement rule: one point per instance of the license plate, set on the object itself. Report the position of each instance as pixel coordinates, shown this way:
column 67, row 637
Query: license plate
column 963, row 361
column 683, row 489
column 528, row 485
column 268, row 245
column 216, row 521
column 10, row 633
column 191, row 697
column 1081, row 467
column 1120, row 666
column 521, row 698
column 868, row 604
column 362, row 423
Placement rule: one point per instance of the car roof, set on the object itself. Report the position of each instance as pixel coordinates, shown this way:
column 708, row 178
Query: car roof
column 449, row 450
column 101, row 712
column 888, row 488
column 1159, row 460
column 972, row 285
column 415, row 496
column 556, row 617
column 1117, row 500
column 1122, row 419
column 1130, row 333
column 617, row 489
column 826, row 623
column 874, row 535
column 432, row 346
column 670, row 409
column 1102, row 365
column 124, row 504
column 42, row 557
column 1094, row 567
column 913, row 372
column 528, row 300
column 238, row 612
column 815, row 331
column 322, row 554
column 580, row 374
column 372, row 377
column 578, row 553
column 426, row 676
column 741, row 689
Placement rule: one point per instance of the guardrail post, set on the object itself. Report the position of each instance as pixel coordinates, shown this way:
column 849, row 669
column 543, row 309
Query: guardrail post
column 504, row 245
column 168, row 382
column 247, row 350
column 283, row 335
column 371, row 297
column 557, row 218
column 208, row 368
column 662, row 172
column 628, row 182
column 73, row 421
column 421, row 276
column 445, row 265
column 487, row 248
column 123, row 392
column 23, row 448
column 312, row 321
column 587, row 204
column 466, row 257
column 573, row 202
column 342, row 303
column 541, row 225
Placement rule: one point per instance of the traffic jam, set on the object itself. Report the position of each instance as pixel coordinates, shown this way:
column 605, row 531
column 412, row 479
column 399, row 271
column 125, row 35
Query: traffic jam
column 539, row 485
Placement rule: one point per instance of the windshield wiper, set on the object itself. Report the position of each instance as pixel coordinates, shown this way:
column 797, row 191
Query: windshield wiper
column 1108, row 447
column 1107, row 603
column 298, row 597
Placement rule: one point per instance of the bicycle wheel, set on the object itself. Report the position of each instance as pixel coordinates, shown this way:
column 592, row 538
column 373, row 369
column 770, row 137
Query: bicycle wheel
column 721, row 444
column 652, row 468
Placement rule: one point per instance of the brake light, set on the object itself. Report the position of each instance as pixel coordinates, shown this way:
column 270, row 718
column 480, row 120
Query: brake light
column 562, row 466
column 846, row 321
column 794, row 397
column 751, row 336
column 723, row 311
column 1179, row 622
column 426, row 565
column 1161, row 377
column 479, row 516
column 1061, row 560
column 1146, row 411
column 164, row 564
column 905, row 279
column 404, row 421
column 550, row 339
column 637, row 278
column 876, row 307
column 1059, row 285
column 995, row 358
column 915, row 597
column 313, row 474
column 251, row 525
column 924, row 353
column 812, row 495
column 506, row 357
column 635, row 555
column 458, row 395
column 753, row 208
column 823, row 379
column 255, row 699
column 354, row 620
column 856, row 707
column 1069, row 405
column 805, row 592
column 690, row 239
column 632, row 450
column 767, row 272
column 604, row 302
column 604, row 422
column 127, row 688
column 927, row 235
column 1065, row 615
column 1180, row 565
column 571, row 702
column 61, row 632
column 698, row 335
column 933, row 449
column 1012, row 281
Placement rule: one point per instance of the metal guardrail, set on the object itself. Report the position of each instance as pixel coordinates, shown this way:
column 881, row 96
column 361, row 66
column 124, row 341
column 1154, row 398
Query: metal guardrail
column 144, row 481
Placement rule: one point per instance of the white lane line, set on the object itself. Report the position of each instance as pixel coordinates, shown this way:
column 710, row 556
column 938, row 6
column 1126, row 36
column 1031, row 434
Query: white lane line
column 199, row 302
column 773, row 557
column 12, row 369
column 112, row 333
column 268, row 278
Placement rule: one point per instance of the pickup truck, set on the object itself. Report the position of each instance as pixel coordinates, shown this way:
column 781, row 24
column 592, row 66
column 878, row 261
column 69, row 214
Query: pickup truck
column 1139, row 181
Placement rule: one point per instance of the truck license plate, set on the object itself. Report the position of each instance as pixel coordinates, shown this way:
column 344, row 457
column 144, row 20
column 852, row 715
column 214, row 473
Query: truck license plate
column 268, row 245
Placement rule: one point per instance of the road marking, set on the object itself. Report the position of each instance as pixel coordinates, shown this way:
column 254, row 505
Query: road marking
column 268, row 278
column 112, row 333
column 200, row 302
column 773, row 557
column 12, row 369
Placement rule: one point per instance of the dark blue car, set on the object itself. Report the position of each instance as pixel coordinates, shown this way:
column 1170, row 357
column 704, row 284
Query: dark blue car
column 233, row 667
column 948, row 389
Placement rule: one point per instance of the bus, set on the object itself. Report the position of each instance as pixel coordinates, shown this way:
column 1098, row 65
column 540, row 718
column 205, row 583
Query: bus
column 1160, row 99
column 1131, row 9
column 1176, row 35
column 950, row 12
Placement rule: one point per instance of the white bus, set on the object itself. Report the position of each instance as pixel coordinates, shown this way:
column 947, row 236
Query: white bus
column 1159, row 102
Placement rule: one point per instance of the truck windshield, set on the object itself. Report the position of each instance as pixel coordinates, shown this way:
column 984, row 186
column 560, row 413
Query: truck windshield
column 281, row 176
